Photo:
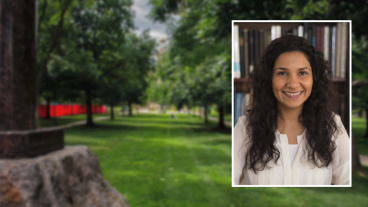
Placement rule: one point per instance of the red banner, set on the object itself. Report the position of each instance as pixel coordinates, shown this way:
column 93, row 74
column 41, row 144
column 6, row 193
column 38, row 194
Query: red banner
column 68, row 110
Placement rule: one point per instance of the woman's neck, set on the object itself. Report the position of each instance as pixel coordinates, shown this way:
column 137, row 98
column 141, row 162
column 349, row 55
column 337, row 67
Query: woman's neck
column 289, row 116
column 290, row 124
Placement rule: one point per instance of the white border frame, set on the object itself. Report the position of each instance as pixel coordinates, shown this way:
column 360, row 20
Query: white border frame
column 232, row 97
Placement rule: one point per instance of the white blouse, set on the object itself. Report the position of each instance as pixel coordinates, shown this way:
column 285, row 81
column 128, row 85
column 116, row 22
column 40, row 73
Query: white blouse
column 297, row 172
column 293, row 148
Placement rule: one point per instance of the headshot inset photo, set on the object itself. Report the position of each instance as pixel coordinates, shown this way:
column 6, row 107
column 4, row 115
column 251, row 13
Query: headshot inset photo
column 291, row 103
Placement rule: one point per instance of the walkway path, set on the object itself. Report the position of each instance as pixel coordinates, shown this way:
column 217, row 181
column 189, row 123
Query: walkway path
column 363, row 160
column 78, row 123
column 228, row 123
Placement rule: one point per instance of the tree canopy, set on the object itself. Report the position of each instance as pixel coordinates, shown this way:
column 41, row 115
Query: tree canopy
column 98, row 53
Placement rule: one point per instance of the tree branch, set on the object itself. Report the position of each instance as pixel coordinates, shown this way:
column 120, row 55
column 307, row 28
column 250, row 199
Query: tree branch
column 358, row 83
column 41, row 17
column 53, row 44
column 111, row 69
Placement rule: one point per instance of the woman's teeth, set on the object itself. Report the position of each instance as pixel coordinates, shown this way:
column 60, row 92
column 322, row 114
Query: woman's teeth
column 293, row 94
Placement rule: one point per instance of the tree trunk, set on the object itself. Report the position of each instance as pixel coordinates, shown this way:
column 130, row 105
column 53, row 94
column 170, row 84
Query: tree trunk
column 54, row 97
column 48, row 100
column 112, row 111
column 360, row 113
column 366, row 123
column 54, row 119
column 89, row 107
column 221, row 123
column 130, row 108
column 356, row 166
column 206, row 114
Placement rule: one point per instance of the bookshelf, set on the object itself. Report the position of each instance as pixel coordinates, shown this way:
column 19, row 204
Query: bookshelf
column 332, row 38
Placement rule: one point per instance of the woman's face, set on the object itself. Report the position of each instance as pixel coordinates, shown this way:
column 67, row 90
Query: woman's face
column 292, row 80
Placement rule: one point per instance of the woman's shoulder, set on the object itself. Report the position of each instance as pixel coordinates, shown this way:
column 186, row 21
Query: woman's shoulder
column 341, row 136
column 240, row 128
column 340, row 126
column 336, row 118
column 243, row 119
column 342, row 141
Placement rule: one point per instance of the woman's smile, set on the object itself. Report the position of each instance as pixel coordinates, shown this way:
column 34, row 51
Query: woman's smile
column 292, row 94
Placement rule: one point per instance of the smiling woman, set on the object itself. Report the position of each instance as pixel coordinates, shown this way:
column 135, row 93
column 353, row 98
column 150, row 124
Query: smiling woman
column 290, row 134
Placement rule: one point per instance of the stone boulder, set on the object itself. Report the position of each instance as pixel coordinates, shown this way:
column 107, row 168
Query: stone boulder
column 70, row 177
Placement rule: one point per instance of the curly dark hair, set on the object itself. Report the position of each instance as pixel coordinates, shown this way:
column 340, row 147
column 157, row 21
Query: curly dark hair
column 317, row 114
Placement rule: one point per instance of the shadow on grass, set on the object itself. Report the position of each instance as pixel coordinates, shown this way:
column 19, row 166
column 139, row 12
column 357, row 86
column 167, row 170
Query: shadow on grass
column 171, row 122
column 213, row 129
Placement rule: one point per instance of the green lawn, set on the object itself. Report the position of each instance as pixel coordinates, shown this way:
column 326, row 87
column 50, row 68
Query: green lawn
column 157, row 161
column 358, row 127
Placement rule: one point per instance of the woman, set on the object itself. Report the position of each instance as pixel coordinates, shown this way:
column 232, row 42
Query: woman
column 290, row 135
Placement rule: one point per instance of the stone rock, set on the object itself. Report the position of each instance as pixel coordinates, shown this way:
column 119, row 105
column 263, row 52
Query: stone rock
column 70, row 177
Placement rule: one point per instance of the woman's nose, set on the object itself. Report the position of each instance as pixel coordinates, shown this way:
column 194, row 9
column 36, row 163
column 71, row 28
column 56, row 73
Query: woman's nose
column 293, row 82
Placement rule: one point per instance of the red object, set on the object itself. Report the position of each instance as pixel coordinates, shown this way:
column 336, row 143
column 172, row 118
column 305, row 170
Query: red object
column 68, row 109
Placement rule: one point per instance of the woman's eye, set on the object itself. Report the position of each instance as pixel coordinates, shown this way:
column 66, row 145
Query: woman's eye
column 303, row 73
column 281, row 73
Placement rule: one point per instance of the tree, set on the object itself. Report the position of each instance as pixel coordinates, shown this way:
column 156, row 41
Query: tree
column 98, row 28
column 139, row 64
column 160, row 82
column 198, row 60
column 48, row 90
column 50, row 28
column 111, row 94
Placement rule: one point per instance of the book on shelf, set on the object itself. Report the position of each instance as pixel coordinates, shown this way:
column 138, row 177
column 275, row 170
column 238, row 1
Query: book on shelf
column 333, row 51
column 344, row 38
column 326, row 32
column 245, row 68
column 331, row 40
column 236, row 69
column 240, row 103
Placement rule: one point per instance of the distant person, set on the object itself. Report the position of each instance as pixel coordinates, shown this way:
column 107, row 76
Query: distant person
column 290, row 134
column 172, row 116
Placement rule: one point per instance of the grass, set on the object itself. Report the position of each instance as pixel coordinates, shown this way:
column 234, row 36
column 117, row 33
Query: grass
column 157, row 161
column 358, row 127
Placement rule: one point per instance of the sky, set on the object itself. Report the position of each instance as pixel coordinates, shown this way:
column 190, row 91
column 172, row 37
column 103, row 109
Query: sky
column 142, row 22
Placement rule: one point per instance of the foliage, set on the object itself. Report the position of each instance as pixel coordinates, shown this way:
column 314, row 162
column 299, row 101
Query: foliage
column 105, row 61
column 50, row 28
column 196, row 69
column 360, row 58
column 139, row 63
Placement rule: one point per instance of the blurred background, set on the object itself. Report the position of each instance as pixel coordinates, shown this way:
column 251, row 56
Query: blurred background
column 150, row 83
